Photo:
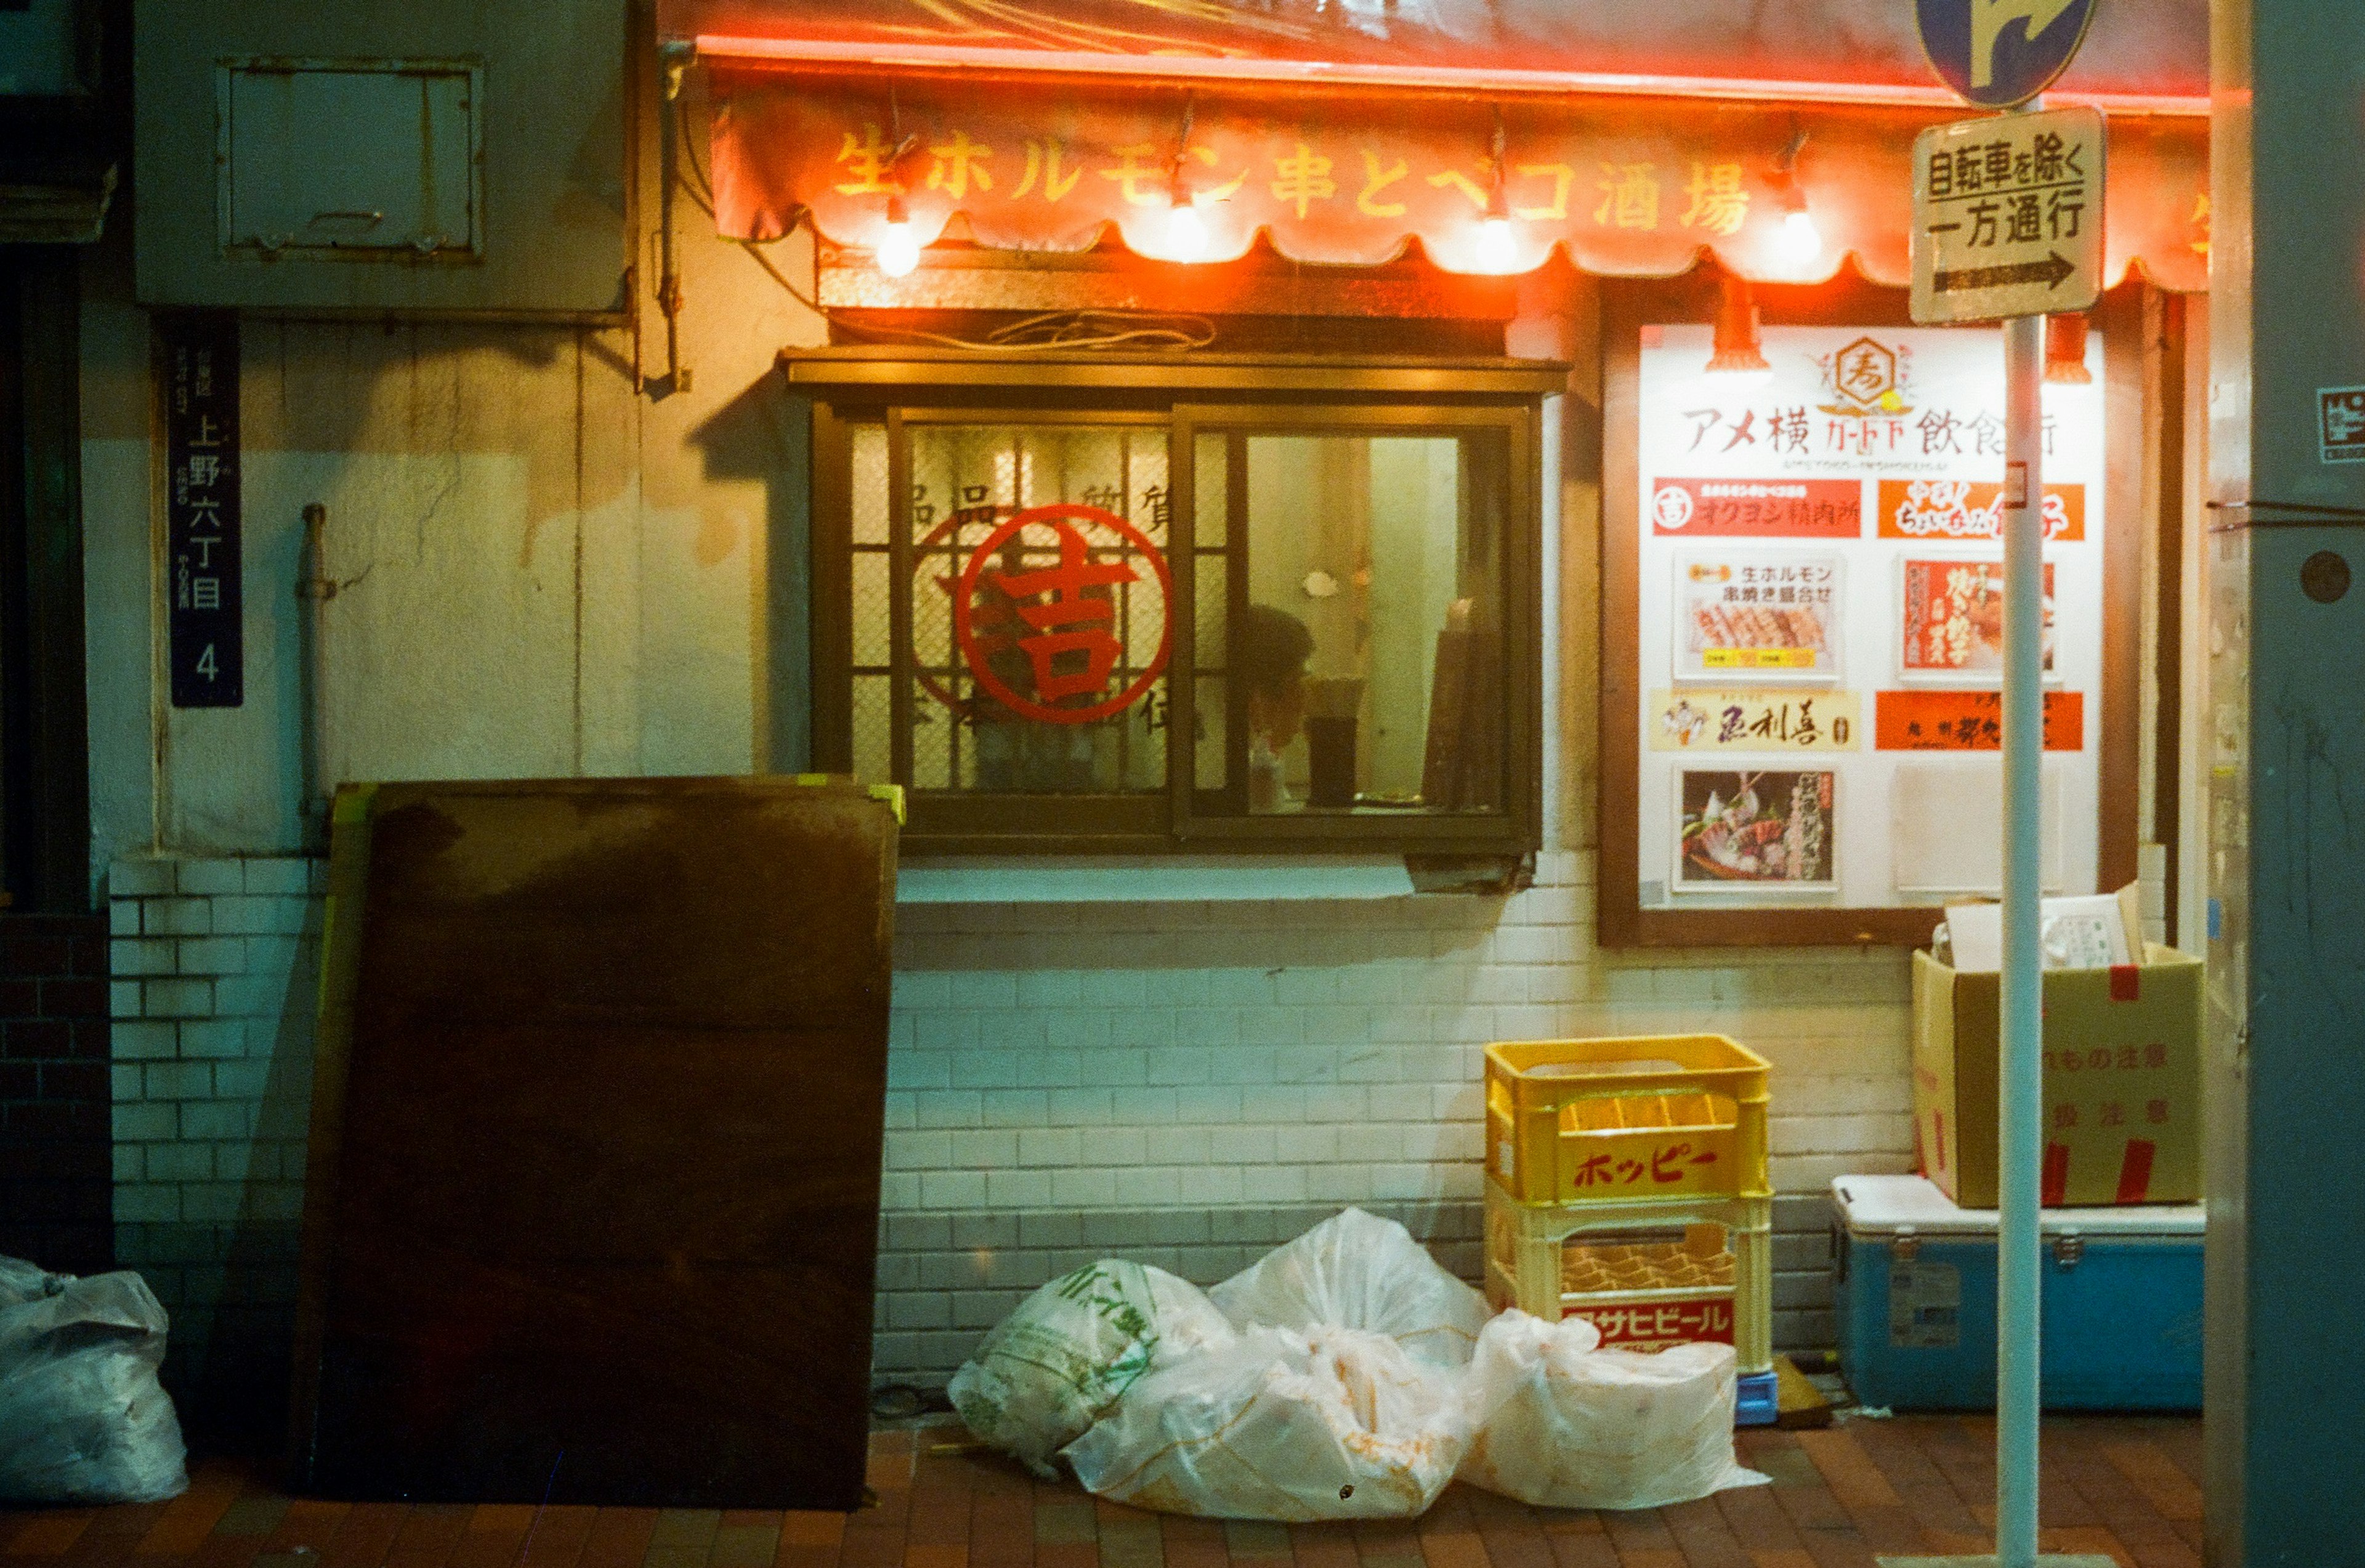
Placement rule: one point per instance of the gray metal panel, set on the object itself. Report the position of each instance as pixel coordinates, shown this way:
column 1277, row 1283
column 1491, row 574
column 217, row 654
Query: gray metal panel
column 553, row 197
column 2287, row 1173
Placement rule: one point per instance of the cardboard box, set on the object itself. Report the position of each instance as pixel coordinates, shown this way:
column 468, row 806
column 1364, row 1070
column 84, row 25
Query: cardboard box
column 2121, row 1082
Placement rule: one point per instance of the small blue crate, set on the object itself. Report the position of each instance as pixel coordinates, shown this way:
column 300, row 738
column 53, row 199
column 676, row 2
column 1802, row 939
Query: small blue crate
column 1914, row 1280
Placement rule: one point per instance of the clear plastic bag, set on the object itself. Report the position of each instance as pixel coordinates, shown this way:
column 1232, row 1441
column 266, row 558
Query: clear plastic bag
column 83, row 1418
column 1285, row 1424
column 1066, row 1353
column 1358, row 1270
column 1558, row 1422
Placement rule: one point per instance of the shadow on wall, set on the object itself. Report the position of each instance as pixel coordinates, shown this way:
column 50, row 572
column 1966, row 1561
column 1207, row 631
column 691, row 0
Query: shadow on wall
column 766, row 434
column 229, row 1357
column 1271, row 935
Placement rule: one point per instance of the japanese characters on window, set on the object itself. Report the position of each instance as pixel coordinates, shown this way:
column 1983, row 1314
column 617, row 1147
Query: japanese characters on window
column 1240, row 624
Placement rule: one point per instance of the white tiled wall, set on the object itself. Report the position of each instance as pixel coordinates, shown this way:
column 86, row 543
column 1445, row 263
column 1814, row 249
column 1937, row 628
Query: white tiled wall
column 1187, row 1082
column 215, row 965
column 1099, row 1067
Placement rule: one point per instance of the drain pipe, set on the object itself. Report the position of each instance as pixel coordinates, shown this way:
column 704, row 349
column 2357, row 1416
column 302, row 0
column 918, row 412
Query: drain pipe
column 674, row 57
column 314, row 589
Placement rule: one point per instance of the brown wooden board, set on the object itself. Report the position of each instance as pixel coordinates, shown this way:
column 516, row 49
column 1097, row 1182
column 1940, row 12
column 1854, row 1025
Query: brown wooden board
column 593, row 1203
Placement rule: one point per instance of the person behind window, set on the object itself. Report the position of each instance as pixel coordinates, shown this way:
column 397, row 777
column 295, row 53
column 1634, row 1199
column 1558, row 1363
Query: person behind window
column 1272, row 652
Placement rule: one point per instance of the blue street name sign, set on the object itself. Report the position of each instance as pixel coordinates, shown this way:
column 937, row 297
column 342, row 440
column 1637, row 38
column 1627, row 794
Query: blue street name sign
column 1998, row 54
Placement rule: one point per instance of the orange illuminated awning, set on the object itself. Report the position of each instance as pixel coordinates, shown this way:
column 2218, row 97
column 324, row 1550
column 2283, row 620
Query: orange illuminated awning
column 1627, row 185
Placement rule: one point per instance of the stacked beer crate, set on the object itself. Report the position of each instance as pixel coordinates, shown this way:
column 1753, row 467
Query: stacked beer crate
column 1627, row 1184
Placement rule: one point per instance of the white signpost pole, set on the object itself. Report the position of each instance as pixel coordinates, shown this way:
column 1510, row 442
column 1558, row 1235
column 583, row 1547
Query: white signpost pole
column 1970, row 266
column 2021, row 1132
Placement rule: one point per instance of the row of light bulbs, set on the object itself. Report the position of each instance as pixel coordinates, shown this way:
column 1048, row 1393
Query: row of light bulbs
column 897, row 248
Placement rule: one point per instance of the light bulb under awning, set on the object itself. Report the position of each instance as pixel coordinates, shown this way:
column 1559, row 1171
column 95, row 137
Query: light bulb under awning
column 1186, row 232
column 896, row 251
column 1498, row 251
column 1801, row 243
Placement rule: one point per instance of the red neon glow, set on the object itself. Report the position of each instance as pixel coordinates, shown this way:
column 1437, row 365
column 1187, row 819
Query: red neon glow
column 1623, row 187
column 877, row 56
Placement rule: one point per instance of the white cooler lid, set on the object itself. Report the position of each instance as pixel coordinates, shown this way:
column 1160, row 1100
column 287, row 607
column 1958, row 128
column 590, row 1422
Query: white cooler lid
column 1881, row 1205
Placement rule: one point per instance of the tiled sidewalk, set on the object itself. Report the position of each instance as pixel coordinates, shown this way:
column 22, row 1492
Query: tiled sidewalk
column 2125, row 1486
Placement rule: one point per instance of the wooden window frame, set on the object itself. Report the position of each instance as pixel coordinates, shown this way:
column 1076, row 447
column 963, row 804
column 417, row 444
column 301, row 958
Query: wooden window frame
column 1204, row 392
column 1619, row 917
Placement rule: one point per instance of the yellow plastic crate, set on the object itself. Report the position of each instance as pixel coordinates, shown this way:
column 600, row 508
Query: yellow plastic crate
column 1647, row 1273
column 1661, row 1118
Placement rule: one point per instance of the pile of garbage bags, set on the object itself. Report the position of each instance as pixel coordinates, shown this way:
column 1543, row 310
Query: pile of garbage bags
column 83, row 1418
column 1343, row 1376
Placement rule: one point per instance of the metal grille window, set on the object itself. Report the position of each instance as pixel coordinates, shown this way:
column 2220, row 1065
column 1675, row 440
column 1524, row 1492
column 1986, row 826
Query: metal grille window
column 1029, row 581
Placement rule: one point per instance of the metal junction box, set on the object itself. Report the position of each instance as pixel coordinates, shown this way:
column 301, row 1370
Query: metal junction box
column 440, row 158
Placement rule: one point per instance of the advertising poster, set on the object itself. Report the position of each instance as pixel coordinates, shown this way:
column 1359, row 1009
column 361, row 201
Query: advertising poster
column 1775, row 616
column 1755, row 721
column 1951, row 617
column 1820, row 587
column 1726, row 509
column 1773, row 831
column 1938, row 510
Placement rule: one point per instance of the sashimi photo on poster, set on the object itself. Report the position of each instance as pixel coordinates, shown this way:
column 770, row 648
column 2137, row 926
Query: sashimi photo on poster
column 1767, row 614
column 1950, row 617
column 1772, row 830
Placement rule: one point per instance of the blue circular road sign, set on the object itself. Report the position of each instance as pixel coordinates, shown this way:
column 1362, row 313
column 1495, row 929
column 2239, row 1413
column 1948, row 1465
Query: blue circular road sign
column 1999, row 54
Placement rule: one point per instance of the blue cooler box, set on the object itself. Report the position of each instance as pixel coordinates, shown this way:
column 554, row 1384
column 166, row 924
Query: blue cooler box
column 1914, row 1282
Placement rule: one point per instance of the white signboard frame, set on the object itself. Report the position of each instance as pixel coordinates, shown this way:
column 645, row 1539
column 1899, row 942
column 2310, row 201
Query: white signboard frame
column 1936, row 415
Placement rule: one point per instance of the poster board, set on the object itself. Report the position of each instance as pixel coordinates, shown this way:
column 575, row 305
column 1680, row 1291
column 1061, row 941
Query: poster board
column 1802, row 616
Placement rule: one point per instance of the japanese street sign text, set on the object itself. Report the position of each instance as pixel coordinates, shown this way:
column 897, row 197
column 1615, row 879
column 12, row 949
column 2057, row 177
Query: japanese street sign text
column 204, row 601
column 1999, row 54
column 2008, row 216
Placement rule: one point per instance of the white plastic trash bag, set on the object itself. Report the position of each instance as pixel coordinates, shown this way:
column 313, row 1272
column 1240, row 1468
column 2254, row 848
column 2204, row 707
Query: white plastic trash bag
column 1050, row 1369
column 83, row 1418
column 1358, row 1270
column 1282, row 1423
column 1561, row 1423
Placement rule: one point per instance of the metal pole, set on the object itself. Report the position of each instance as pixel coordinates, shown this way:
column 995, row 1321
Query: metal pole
column 314, row 589
column 2021, row 1132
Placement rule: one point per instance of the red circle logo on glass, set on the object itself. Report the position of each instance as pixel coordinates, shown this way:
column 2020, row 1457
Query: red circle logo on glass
column 1045, row 613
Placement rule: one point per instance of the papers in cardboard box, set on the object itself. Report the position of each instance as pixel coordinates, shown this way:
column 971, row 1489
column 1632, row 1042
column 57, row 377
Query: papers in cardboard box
column 2094, row 931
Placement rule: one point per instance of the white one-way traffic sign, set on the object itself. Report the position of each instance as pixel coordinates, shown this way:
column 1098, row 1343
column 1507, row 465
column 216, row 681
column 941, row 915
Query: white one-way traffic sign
column 2008, row 216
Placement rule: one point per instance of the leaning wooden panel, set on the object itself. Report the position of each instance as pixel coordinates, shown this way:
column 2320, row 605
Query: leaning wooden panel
column 594, row 1192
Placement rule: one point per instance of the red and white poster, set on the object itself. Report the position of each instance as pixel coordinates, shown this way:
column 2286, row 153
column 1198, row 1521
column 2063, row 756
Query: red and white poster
column 1969, row 721
column 1950, row 617
column 1758, row 509
column 1941, row 510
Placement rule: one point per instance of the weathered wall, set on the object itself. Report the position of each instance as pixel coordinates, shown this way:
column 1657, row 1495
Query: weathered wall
column 543, row 572
column 547, row 574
